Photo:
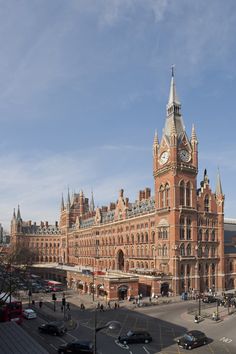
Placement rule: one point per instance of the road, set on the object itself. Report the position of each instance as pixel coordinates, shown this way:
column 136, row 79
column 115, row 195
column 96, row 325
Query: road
column 165, row 323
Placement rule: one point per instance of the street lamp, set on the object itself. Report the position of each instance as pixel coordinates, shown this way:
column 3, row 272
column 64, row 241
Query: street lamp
column 112, row 325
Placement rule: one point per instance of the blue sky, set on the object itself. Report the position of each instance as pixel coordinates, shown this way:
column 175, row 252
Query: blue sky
column 84, row 84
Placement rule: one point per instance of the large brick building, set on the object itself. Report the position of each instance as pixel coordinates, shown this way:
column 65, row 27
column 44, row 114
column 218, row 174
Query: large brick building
column 173, row 240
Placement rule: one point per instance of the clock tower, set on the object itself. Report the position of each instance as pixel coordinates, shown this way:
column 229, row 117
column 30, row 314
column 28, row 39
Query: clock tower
column 175, row 168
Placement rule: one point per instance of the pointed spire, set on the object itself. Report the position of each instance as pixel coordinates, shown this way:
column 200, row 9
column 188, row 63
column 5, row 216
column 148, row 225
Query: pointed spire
column 218, row 184
column 205, row 178
column 14, row 214
column 173, row 98
column 92, row 205
column 68, row 198
column 18, row 217
column 62, row 202
column 155, row 142
column 194, row 135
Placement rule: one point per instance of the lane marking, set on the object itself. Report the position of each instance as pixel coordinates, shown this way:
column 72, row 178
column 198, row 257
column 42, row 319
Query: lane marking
column 146, row 350
column 72, row 336
column 52, row 345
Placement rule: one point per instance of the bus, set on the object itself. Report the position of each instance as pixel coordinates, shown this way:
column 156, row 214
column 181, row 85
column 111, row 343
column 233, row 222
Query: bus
column 54, row 285
column 10, row 309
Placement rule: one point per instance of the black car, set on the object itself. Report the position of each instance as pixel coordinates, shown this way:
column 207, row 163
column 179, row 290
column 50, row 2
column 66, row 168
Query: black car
column 135, row 337
column 209, row 299
column 77, row 347
column 192, row 339
column 54, row 328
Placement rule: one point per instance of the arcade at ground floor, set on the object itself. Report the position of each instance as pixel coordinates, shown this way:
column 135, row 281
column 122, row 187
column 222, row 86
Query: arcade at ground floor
column 117, row 285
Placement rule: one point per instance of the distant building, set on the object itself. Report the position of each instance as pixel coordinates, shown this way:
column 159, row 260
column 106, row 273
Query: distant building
column 171, row 241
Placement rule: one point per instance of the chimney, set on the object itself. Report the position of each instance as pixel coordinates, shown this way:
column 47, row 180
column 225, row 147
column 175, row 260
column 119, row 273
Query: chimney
column 56, row 223
column 147, row 193
column 42, row 224
column 46, row 223
column 127, row 202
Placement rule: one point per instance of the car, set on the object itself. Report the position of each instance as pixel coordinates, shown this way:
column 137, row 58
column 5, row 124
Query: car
column 77, row 347
column 192, row 339
column 54, row 328
column 29, row 314
column 135, row 337
column 209, row 299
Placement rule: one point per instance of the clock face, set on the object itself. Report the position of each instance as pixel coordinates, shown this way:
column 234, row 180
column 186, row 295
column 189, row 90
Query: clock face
column 184, row 155
column 164, row 157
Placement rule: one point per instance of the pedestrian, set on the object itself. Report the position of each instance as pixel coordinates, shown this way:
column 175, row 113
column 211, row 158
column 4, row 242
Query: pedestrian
column 102, row 308
column 109, row 304
column 150, row 299
column 40, row 303
column 115, row 306
column 33, row 302
column 61, row 308
column 68, row 306
column 98, row 305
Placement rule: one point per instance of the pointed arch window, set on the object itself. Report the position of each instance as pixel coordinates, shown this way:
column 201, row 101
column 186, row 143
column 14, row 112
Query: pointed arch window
column 199, row 251
column 182, row 192
column 207, row 235
column 162, row 197
column 188, row 194
column 206, row 203
column 188, row 250
column 167, row 196
column 213, row 237
column 182, row 250
column 206, row 251
column 165, row 251
column 182, row 229
column 189, row 229
column 213, row 251
column 199, row 236
column 188, row 270
column 159, row 251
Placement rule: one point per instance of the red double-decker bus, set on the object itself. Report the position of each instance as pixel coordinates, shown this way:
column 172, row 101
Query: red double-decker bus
column 10, row 308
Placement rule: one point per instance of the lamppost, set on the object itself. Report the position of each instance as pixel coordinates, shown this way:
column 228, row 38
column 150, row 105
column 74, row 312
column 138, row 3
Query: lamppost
column 112, row 325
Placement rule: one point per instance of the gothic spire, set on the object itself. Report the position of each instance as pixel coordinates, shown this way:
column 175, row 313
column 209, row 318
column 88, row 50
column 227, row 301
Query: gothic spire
column 68, row 198
column 173, row 98
column 18, row 217
column 218, row 184
column 194, row 135
column 14, row 214
column 155, row 142
column 92, row 205
column 173, row 111
column 62, row 202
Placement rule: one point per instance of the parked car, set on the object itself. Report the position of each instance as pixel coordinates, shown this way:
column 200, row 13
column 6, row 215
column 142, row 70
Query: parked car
column 192, row 339
column 29, row 314
column 209, row 299
column 135, row 337
column 77, row 347
column 55, row 328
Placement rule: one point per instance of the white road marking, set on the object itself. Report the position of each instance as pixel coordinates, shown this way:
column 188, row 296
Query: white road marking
column 226, row 340
column 53, row 346
column 72, row 336
column 62, row 340
column 146, row 350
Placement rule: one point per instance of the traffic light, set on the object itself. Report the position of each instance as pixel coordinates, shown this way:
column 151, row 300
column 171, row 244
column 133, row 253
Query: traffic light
column 54, row 298
column 63, row 301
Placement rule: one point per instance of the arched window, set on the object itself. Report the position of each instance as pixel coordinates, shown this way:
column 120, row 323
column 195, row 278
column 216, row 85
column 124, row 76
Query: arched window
column 182, row 192
column 138, row 239
column 167, row 188
column 188, row 269
column 207, row 235
column 159, row 250
column 165, row 251
column 188, row 229
column 213, row 235
column 153, row 237
column 146, row 237
column 199, row 236
column 206, row 251
column 182, row 250
column 162, row 197
column 132, row 239
column 206, row 203
column 142, row 238
column 188, row 250
column 230, row 266
column 182, row 270
column 188, row 194
column 213, row 251
column 181, row 231
column 199, row 251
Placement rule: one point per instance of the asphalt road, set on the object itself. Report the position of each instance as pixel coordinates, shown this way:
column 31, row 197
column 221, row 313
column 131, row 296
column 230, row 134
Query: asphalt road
column 165, row 323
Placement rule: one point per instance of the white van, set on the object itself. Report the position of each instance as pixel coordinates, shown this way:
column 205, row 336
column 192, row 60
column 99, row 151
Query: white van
column 29, row 314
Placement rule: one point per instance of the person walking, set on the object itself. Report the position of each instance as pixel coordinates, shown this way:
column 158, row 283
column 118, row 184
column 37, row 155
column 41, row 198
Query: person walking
column 68, row 306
